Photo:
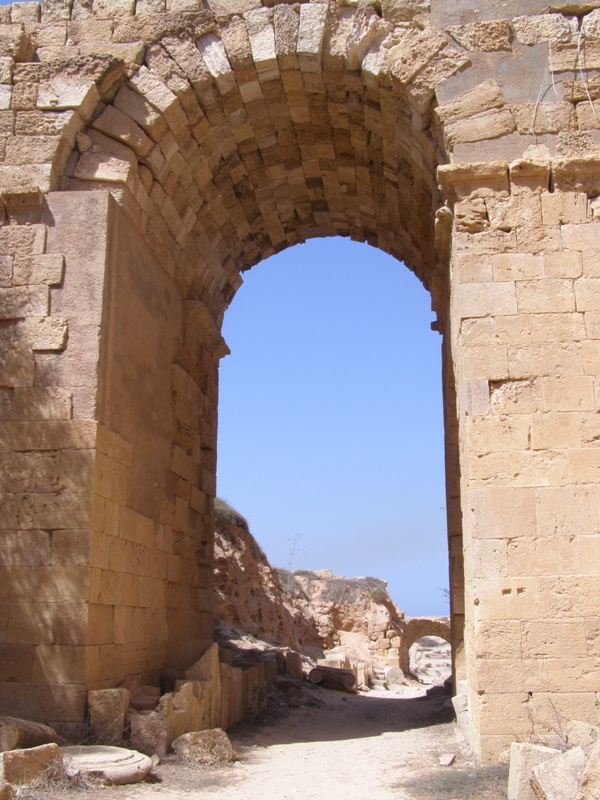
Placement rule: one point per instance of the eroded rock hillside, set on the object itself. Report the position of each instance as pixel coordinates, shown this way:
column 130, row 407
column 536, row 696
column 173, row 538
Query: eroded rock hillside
column 304, row 610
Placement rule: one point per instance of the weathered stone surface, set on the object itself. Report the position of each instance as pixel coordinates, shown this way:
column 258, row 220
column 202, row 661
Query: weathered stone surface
column 293, row 665
column 18, row 734
column 205, row 747
column 148, row 733
column 590, row 777
column 24, row 766
column 523, row 758
column 108, row 710
column 559, row 777
column 114, row 765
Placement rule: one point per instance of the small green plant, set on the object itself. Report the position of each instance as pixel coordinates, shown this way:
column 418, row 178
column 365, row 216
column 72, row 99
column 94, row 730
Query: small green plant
column 378, row 595
column 257, row 704
column 225, row 514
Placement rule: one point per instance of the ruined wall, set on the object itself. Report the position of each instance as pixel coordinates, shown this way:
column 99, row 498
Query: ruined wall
column 152, row 151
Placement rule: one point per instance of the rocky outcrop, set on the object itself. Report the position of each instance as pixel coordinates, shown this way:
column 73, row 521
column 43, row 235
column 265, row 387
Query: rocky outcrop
column 301, row 609
column 356, row 615
column 248, row 592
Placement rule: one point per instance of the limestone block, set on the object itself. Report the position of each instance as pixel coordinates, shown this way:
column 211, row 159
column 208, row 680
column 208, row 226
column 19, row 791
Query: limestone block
column 235, row 711
column 311, row 32
column 397, row 11
column 554, row 430
column 563, row 265
column 224, row 670
column 108, row 710
column 487, row 362
column 485, row 36
column 539, row 28
column 24, row 302
column 7, row 792
column 101, row 167
column 61, row 93
column 213, row 52
column 205, row 747
column 97, row 143
column 113, row 122
column 28, row 149
column 567, row 56
column 571, row 393
column 139, row 109
column 148, row 733
column 23, row 185
column 486, row 96
column 517, row 266
column 414, row 52
column 489, row 125
column 484, row 299
column 46, row 269
column 461, row 708
column 109, row 9
column 46, row 333
column 367, row 27
column 543, row 117
column 502, row 512
column 590, row 25
column 587, row 294
column 160, row 96
column 207, row 672
column 558, row 778
column 590, row 777
column 293, row 665
column 523, row 758
column 25, row 12
column 286, row 23
column 24, row 766
column 227, row 7
column 545, row 296
column 262, row 42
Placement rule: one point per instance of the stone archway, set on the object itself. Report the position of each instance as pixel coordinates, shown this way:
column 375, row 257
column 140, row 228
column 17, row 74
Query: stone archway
column 152, row 152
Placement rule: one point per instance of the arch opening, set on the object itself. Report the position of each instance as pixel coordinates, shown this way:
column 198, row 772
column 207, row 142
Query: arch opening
column 330, row 419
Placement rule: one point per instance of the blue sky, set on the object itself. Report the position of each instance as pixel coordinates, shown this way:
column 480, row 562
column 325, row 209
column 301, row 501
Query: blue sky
column 330, row 418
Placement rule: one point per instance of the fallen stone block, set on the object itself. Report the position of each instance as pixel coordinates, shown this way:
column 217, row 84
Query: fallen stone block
column 463, row 715
column 7, row 792
column 148, row 733
column 590, row 777
column 523, row 758
column 18, row 734
column 582, row 734
column 24, row 766
column 333, row 678
column 394, row 676
column 293, row 664
column 114, row 765
column 447, row 759
column 205, row 747
column 108, row 710
column 558, row 778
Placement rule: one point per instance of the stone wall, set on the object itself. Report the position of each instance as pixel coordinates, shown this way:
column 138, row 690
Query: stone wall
column 151, row 151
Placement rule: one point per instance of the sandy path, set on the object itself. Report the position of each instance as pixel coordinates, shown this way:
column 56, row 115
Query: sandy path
column 374, row 746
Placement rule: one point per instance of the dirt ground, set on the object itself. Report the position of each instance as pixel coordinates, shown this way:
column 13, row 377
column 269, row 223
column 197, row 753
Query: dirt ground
column 378, row 745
